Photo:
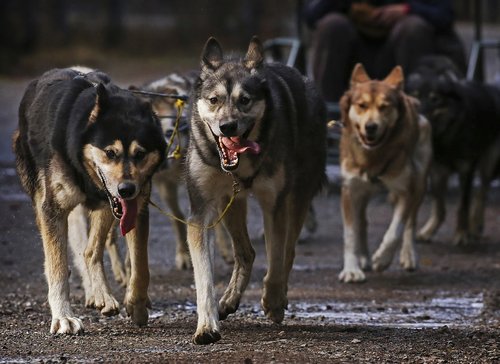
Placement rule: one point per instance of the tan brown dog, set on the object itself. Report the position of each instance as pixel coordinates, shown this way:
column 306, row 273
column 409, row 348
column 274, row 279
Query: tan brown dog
column 384, row 143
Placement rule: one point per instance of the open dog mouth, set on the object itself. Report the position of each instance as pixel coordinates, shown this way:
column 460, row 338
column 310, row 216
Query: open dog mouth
column 231, row 147
column 372, row 142
column 124, row 210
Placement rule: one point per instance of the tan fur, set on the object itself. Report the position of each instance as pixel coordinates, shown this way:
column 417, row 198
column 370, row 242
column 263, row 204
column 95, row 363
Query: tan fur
column 396, row 157
column 58, row 194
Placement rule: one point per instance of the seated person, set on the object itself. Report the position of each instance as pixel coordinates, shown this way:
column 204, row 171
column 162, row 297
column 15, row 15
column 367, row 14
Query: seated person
column 380, row 34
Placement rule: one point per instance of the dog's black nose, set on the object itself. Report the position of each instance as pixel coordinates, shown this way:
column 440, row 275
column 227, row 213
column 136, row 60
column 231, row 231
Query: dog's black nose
column 126, row 189
column 371, row 128
column 229, row 128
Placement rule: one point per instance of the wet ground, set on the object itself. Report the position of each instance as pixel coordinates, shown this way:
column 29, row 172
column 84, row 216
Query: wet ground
column 447, row 311
column 444, row 312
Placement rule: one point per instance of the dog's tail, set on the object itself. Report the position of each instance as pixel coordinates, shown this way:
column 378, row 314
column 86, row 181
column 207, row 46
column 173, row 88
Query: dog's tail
column 25, row 164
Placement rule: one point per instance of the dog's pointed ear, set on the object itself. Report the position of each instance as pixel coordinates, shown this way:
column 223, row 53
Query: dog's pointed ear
column 100, row 100
column 359, row 74
column 396, row 78
column 211, row 56
column 254, row 56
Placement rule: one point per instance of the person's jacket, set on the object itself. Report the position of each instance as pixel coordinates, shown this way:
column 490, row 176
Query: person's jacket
column 439, row 13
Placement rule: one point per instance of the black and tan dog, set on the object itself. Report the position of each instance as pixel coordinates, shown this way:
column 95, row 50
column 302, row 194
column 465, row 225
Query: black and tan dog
column 384, row 144
column 264, row 127
column 465, row 119
column 83, row 145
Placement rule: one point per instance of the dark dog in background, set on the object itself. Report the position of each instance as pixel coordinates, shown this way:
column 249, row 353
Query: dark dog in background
column 465, row 119
column 262, row 126
column 84, row 146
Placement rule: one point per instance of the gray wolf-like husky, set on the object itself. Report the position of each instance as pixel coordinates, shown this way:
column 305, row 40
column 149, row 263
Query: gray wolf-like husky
column 262, row 126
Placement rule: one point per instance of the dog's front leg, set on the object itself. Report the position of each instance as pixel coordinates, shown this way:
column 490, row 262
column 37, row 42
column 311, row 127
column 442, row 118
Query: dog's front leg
column 101, row 297
column 244, row 254
column 202, row 258
column 54, row 231
column 136, row 298
column 354, row 200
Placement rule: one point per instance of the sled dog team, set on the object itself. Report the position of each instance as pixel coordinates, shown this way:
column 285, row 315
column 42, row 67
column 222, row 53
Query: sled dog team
column 88, row 153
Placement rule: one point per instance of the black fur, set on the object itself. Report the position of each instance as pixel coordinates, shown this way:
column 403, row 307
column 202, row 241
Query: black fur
column 465, row 120
column 54, row 119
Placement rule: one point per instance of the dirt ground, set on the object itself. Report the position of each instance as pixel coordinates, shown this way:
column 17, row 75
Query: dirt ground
column 447, row 311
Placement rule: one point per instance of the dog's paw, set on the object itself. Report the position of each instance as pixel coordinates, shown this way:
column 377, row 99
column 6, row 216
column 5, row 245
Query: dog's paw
column 424, row 235
column 205, row 337
column 66, row 325
column 274, row 307
column 462, row 238
column 276, row 315
column 138, row 312
column 183, row 260
column 352, row 276
column 226, row 307
column 408, row 260
column 381, row 260
column 104, row 302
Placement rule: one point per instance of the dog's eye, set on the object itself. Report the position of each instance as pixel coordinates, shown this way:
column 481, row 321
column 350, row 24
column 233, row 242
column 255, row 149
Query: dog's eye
column 244, row 100
column 363, row 105
column 213, row 100
column 110, row 153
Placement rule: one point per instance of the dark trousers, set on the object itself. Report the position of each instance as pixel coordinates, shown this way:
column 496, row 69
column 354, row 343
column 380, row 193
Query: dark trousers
column 337, row 46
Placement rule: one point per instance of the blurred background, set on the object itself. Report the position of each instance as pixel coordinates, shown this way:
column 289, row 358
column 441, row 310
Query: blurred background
column 40, row 34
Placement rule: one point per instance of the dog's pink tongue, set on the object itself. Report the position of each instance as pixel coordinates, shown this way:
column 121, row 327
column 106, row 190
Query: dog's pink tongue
column 127, row 221
column 238, row 145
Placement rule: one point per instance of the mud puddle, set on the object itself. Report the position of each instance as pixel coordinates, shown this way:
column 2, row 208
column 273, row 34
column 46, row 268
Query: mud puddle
column 442, row 310
column 435, row 312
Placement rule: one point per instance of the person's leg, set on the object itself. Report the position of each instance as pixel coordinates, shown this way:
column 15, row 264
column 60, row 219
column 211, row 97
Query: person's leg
column 334, row 41
column 411, row 38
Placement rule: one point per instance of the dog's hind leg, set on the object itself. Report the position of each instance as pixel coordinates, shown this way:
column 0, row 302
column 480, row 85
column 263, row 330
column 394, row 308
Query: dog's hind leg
column 244, row 255
column 168, row 191
column 274, row 301
column 136, row 299
column 439, row 179
column 224, row 243
column 114, row 256
column 408, row 255
column 78, row 239
column 487, row 169
column 298, row 212
column 462, row 233
column 54, row 231
column 354, row 200
column 101, row 297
